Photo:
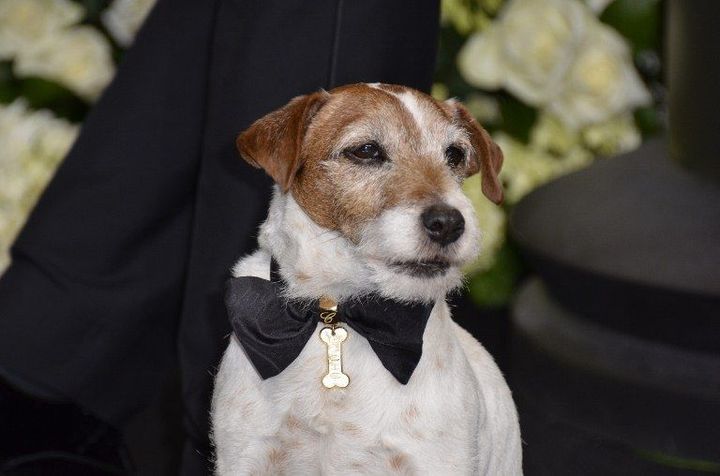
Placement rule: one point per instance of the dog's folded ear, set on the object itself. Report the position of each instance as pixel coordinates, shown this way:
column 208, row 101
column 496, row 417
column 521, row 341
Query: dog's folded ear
column 273, row 142
column 487, row 158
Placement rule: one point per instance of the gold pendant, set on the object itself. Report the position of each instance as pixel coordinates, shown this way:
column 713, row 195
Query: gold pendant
column 333, row 338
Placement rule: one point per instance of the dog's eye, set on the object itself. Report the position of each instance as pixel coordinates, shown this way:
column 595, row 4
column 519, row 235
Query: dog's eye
column 369, row 152
column 454, row 156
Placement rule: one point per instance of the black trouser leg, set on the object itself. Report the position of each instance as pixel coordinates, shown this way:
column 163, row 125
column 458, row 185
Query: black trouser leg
column 90, row 305
column 262, row 57
column 126, row 254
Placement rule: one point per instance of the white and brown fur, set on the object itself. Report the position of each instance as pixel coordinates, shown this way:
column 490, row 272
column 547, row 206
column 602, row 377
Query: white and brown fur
column 344, row 228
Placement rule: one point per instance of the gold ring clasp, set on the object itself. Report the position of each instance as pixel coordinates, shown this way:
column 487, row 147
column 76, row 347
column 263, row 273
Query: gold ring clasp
column 328, row 316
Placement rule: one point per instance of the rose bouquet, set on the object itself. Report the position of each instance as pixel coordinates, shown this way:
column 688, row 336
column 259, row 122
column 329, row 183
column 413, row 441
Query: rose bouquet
column 558, row 83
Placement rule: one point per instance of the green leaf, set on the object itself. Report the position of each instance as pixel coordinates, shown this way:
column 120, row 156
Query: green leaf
column 648, row 121
column 43, row 94
column 517, row 117
column 495, row 287
column 704, row 466
column 93, row 9
column 446, row 71
column 8, row 86
column 637, row 20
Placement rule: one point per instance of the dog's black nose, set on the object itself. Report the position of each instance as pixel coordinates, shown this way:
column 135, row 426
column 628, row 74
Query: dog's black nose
column 443, row 224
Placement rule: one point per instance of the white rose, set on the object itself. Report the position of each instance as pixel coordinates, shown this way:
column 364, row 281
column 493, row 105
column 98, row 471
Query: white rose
column 24, row 22
column 483, row 107
column 34, row 142
column 528, row 49
column 17, row 135
column 124, row 17
column 602, row 81
column 555, row 54
column 79, row 58
column 614, row 136
column 598, row 6
column 551, row 135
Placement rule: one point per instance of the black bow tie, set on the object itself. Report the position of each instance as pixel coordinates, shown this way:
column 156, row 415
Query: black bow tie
column 273, row 331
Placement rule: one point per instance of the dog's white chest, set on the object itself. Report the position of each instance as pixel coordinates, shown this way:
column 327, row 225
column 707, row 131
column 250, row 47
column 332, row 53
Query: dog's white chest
column 292, row 424
column 455, row 415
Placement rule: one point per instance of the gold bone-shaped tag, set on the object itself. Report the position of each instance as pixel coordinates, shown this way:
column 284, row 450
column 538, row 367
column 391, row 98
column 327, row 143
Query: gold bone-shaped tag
column 333, row 338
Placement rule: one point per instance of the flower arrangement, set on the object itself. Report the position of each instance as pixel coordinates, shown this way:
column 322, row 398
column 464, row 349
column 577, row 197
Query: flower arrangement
column 558, row 83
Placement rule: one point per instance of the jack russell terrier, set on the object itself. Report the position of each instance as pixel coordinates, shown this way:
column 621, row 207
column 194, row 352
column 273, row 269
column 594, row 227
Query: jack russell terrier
column 344, row 358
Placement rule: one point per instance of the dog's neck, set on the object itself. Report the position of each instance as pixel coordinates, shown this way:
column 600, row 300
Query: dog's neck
column 313, row 261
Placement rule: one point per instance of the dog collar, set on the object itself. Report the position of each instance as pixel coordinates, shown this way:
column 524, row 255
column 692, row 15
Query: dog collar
column 273, row 330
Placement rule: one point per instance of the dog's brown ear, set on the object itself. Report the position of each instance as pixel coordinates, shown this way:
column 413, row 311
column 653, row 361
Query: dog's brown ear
column 487, row 158
column 273, row 142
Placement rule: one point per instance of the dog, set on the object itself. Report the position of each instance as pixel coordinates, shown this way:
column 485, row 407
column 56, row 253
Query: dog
column 367, row 205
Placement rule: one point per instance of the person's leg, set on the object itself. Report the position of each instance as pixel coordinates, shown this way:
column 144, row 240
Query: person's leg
column 152, row 205
column 264, row 53
column 90, row 304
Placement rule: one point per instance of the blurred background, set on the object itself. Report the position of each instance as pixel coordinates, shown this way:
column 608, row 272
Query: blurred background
column 597, row 290
column 558, row 83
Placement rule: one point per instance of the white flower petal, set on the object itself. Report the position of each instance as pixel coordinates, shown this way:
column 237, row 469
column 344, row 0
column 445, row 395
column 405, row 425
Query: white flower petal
column 538, row 39
column 598, row 6
column 528, row 50
column 603, row 81
column 483, row 107
column 614, row 136
column 550, row 134
column 33, row 143
column 479, row 60
column 23, row 22
column 78, row 58
column 124, row 17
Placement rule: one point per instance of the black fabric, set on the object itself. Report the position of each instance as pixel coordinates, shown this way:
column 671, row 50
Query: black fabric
column 118, row 276
column 58, row 439
column 273, row 331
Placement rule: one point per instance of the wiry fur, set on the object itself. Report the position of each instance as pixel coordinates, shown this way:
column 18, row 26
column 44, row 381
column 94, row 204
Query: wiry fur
column 455, row 415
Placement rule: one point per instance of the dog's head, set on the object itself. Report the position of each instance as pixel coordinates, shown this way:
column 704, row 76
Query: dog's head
column 382, row 166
